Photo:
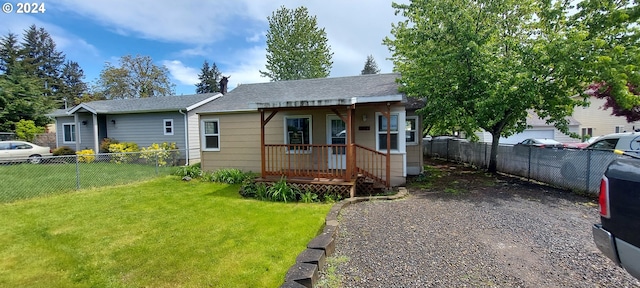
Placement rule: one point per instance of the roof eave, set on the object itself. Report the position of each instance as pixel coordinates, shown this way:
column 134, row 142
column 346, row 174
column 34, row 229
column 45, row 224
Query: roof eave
column 205, row 101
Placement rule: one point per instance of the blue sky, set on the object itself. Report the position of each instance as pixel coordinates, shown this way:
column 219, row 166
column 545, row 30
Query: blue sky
column 182, row 34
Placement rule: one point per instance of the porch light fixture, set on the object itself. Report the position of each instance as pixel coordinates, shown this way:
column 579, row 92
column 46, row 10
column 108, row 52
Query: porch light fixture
column 84, row 122
column 113, row 121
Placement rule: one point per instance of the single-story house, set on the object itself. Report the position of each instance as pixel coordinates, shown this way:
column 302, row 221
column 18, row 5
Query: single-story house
column 330, row 128
column 141, row 120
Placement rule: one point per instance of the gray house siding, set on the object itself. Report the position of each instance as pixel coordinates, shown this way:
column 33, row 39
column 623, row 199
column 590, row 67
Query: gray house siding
column 146, row 129
column 60, row 121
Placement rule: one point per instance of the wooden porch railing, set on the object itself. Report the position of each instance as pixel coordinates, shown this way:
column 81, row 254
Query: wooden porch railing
column 306, row 160
column 324, row 161
column 372, row 164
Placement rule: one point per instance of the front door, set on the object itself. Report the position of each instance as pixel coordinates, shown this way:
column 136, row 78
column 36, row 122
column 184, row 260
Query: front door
column 336, row 134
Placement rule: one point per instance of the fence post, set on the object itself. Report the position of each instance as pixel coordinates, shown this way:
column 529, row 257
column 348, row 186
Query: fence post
column 447, row 149
column 529, row 165
column 156, row 162
column 77, row 173
column 588, row 169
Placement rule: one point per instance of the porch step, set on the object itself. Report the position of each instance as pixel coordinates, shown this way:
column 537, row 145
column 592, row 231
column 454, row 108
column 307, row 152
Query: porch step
column 366, row 186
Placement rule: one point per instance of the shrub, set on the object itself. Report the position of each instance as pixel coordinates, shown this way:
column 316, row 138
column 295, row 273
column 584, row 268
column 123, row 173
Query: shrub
column 192, row 171
column 27, row 130
column 229, row 176
column 282, row 191
column 64, row 150
column 308, row 197
column 122, row 152
column 160, row 154
column 86, row 156
column 104, row 145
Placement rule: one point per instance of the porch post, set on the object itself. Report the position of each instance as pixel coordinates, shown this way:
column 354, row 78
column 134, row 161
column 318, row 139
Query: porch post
column 262, row 149
column 388, row 170
column 349, row 146
column 96, row 143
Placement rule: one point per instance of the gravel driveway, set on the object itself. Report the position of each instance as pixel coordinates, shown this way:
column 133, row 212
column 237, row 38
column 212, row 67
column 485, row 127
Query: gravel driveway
column 463, row 228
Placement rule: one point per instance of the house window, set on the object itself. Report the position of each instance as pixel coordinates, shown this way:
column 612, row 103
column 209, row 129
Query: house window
column 297, row 131
column 586, row 133
column 382, row 132
column 68, row 133
column 412, row 130
column 619, row 129
column 211, row 135
column 168, row 126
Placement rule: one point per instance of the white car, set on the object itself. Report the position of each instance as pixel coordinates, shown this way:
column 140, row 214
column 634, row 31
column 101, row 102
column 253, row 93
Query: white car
column 19, row 151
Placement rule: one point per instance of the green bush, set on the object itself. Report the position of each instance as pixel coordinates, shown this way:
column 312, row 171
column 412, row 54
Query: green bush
column 192, row 171
column 229, row 176
column 282, row 191
column 64, row 150
column 308, row 197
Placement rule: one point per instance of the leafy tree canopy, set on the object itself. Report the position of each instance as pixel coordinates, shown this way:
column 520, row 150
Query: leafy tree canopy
column 484, row 64
column 296, row 47
column 136, row 77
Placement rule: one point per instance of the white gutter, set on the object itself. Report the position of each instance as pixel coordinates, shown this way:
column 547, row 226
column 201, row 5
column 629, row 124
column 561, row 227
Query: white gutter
column 186, row 136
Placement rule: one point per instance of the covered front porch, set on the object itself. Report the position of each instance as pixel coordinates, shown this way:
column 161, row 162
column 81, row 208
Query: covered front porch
column 340, row 150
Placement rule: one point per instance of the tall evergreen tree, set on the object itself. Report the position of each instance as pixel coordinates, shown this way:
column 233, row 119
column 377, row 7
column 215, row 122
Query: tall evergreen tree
column 209, row 77
column 21, row 97
column 296, row 47
column 370, row 66
column 73, row 87
column 43, row 60
column 9, row 53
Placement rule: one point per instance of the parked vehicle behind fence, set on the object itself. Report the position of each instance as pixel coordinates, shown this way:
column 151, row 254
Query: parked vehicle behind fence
column 21, row 151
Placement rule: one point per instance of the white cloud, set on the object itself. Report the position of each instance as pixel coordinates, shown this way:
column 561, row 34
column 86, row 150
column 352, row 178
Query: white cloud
column 184, row 74
column 244, row 69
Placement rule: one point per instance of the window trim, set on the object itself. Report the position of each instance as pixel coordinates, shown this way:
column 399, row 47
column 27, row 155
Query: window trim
column 416, row 139
column 164, row 127
column 401, row 132
column 285, row 133
column 74, row 135
column 618, row 129
column 204, row 135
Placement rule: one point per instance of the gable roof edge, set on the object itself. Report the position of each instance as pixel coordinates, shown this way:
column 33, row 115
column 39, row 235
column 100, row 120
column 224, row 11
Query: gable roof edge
column 81, row 105
column 205, row 101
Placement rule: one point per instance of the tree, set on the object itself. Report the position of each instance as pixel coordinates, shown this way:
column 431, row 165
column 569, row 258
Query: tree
column 42, row 60
column 72, row 86
column 27, row 130
column 137, row 77
column 370, row 66
column 9, row 53
column 21, row 98
column 296, row 47
column 484, row 64
column 209, row 77
column 610, row 29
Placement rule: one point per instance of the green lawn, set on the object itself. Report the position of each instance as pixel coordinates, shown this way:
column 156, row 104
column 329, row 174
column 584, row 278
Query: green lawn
column 21, row 181
column 159, row 233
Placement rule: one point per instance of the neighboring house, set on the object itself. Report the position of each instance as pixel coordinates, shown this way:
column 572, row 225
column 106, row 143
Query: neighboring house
column 333, row 128
column 142, row 120
column 538, row 129
column 596, row 121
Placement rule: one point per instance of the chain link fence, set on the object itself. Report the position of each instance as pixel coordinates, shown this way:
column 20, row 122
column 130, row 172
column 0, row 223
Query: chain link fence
column 579, row 170
column 34, row 177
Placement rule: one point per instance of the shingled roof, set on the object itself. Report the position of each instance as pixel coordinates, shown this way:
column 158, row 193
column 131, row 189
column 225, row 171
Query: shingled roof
column 308, row 92
column 151, row 104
